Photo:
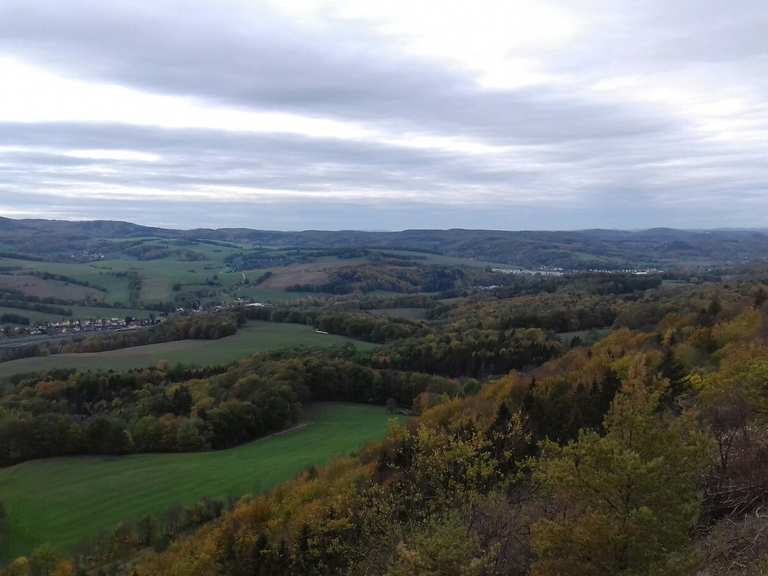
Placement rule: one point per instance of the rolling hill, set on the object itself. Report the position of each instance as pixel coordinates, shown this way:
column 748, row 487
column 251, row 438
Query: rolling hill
column 582, row 249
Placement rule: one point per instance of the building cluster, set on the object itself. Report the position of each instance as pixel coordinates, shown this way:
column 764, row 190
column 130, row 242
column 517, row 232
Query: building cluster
column 555, row 271
column 77, row 326
column 70, row 327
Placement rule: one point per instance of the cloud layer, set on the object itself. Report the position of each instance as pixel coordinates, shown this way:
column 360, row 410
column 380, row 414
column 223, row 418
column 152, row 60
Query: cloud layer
column 313, row 114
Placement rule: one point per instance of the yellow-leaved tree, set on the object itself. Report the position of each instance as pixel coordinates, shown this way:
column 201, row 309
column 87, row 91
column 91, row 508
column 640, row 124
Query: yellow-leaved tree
column 623, row 503
column 445, row 547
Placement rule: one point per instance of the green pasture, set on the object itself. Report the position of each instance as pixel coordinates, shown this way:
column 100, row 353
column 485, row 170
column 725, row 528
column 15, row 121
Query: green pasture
column 273, row 295
column 255, row 337
column 158, row 276
column 65, row 501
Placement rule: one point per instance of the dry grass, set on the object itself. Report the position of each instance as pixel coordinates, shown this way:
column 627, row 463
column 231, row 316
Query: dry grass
column 312, row 273
column 41, row 288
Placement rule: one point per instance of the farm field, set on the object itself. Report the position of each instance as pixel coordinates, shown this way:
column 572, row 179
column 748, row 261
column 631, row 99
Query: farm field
column 63, row 501
column 42, row 288
column 158, row 276
column 164, row 279
column 442, row 259
column 253, row 338
column 273, row 295
column 116, row 286
column 315, row 272
column 160, row 279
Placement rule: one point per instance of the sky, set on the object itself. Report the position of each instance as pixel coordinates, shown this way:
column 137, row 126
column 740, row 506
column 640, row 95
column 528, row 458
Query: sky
column 386, row 115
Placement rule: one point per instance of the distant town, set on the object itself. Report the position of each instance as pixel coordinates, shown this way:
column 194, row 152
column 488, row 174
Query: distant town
column 11, row 335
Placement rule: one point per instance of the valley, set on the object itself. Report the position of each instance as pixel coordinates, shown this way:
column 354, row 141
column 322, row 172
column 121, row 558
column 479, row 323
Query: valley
column 166, row 390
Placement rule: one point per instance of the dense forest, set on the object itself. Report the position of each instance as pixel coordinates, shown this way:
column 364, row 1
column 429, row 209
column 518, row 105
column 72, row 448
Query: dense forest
column 390, row 277
column 606, row 460
column 177, row 409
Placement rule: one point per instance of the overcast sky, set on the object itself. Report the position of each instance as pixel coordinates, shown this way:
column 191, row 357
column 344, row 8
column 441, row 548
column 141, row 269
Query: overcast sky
column 386, row 115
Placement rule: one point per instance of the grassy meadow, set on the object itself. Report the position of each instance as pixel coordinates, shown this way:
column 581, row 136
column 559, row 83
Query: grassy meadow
column 158, row 277
column 161, row 280
column 164, row 279
column 253, row 338
column 64, row 501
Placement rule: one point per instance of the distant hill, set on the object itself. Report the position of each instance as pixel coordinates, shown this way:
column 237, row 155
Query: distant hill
column 583, row 249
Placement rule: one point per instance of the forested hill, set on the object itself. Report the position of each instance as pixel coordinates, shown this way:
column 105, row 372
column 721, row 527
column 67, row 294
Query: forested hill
column 585, row 249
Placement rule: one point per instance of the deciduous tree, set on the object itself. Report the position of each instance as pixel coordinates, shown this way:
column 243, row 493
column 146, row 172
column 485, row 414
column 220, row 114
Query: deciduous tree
column 626, row 500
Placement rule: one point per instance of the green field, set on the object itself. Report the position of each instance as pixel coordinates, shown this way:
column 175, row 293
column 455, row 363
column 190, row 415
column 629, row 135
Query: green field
column 274, row 295
column 64, row 501
column 253, row 338
column 104, row 277
column 158, row 276
column 172, row 278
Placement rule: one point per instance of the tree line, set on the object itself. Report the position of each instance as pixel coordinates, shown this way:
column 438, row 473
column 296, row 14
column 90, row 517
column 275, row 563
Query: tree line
column 358, row 325
column 150, row 410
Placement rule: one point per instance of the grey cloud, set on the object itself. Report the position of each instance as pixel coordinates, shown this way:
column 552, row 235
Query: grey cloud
column 579, row 160
column 210, row 158
column 616, row 177
column 258, row 59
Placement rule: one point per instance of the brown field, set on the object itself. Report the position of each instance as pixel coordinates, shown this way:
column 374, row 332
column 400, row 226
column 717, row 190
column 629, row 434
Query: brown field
column 40, row 288
column 311, row 273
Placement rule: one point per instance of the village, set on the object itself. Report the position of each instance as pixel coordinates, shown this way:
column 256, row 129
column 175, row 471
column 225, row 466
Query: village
column 78, row 326
column 11, row 334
